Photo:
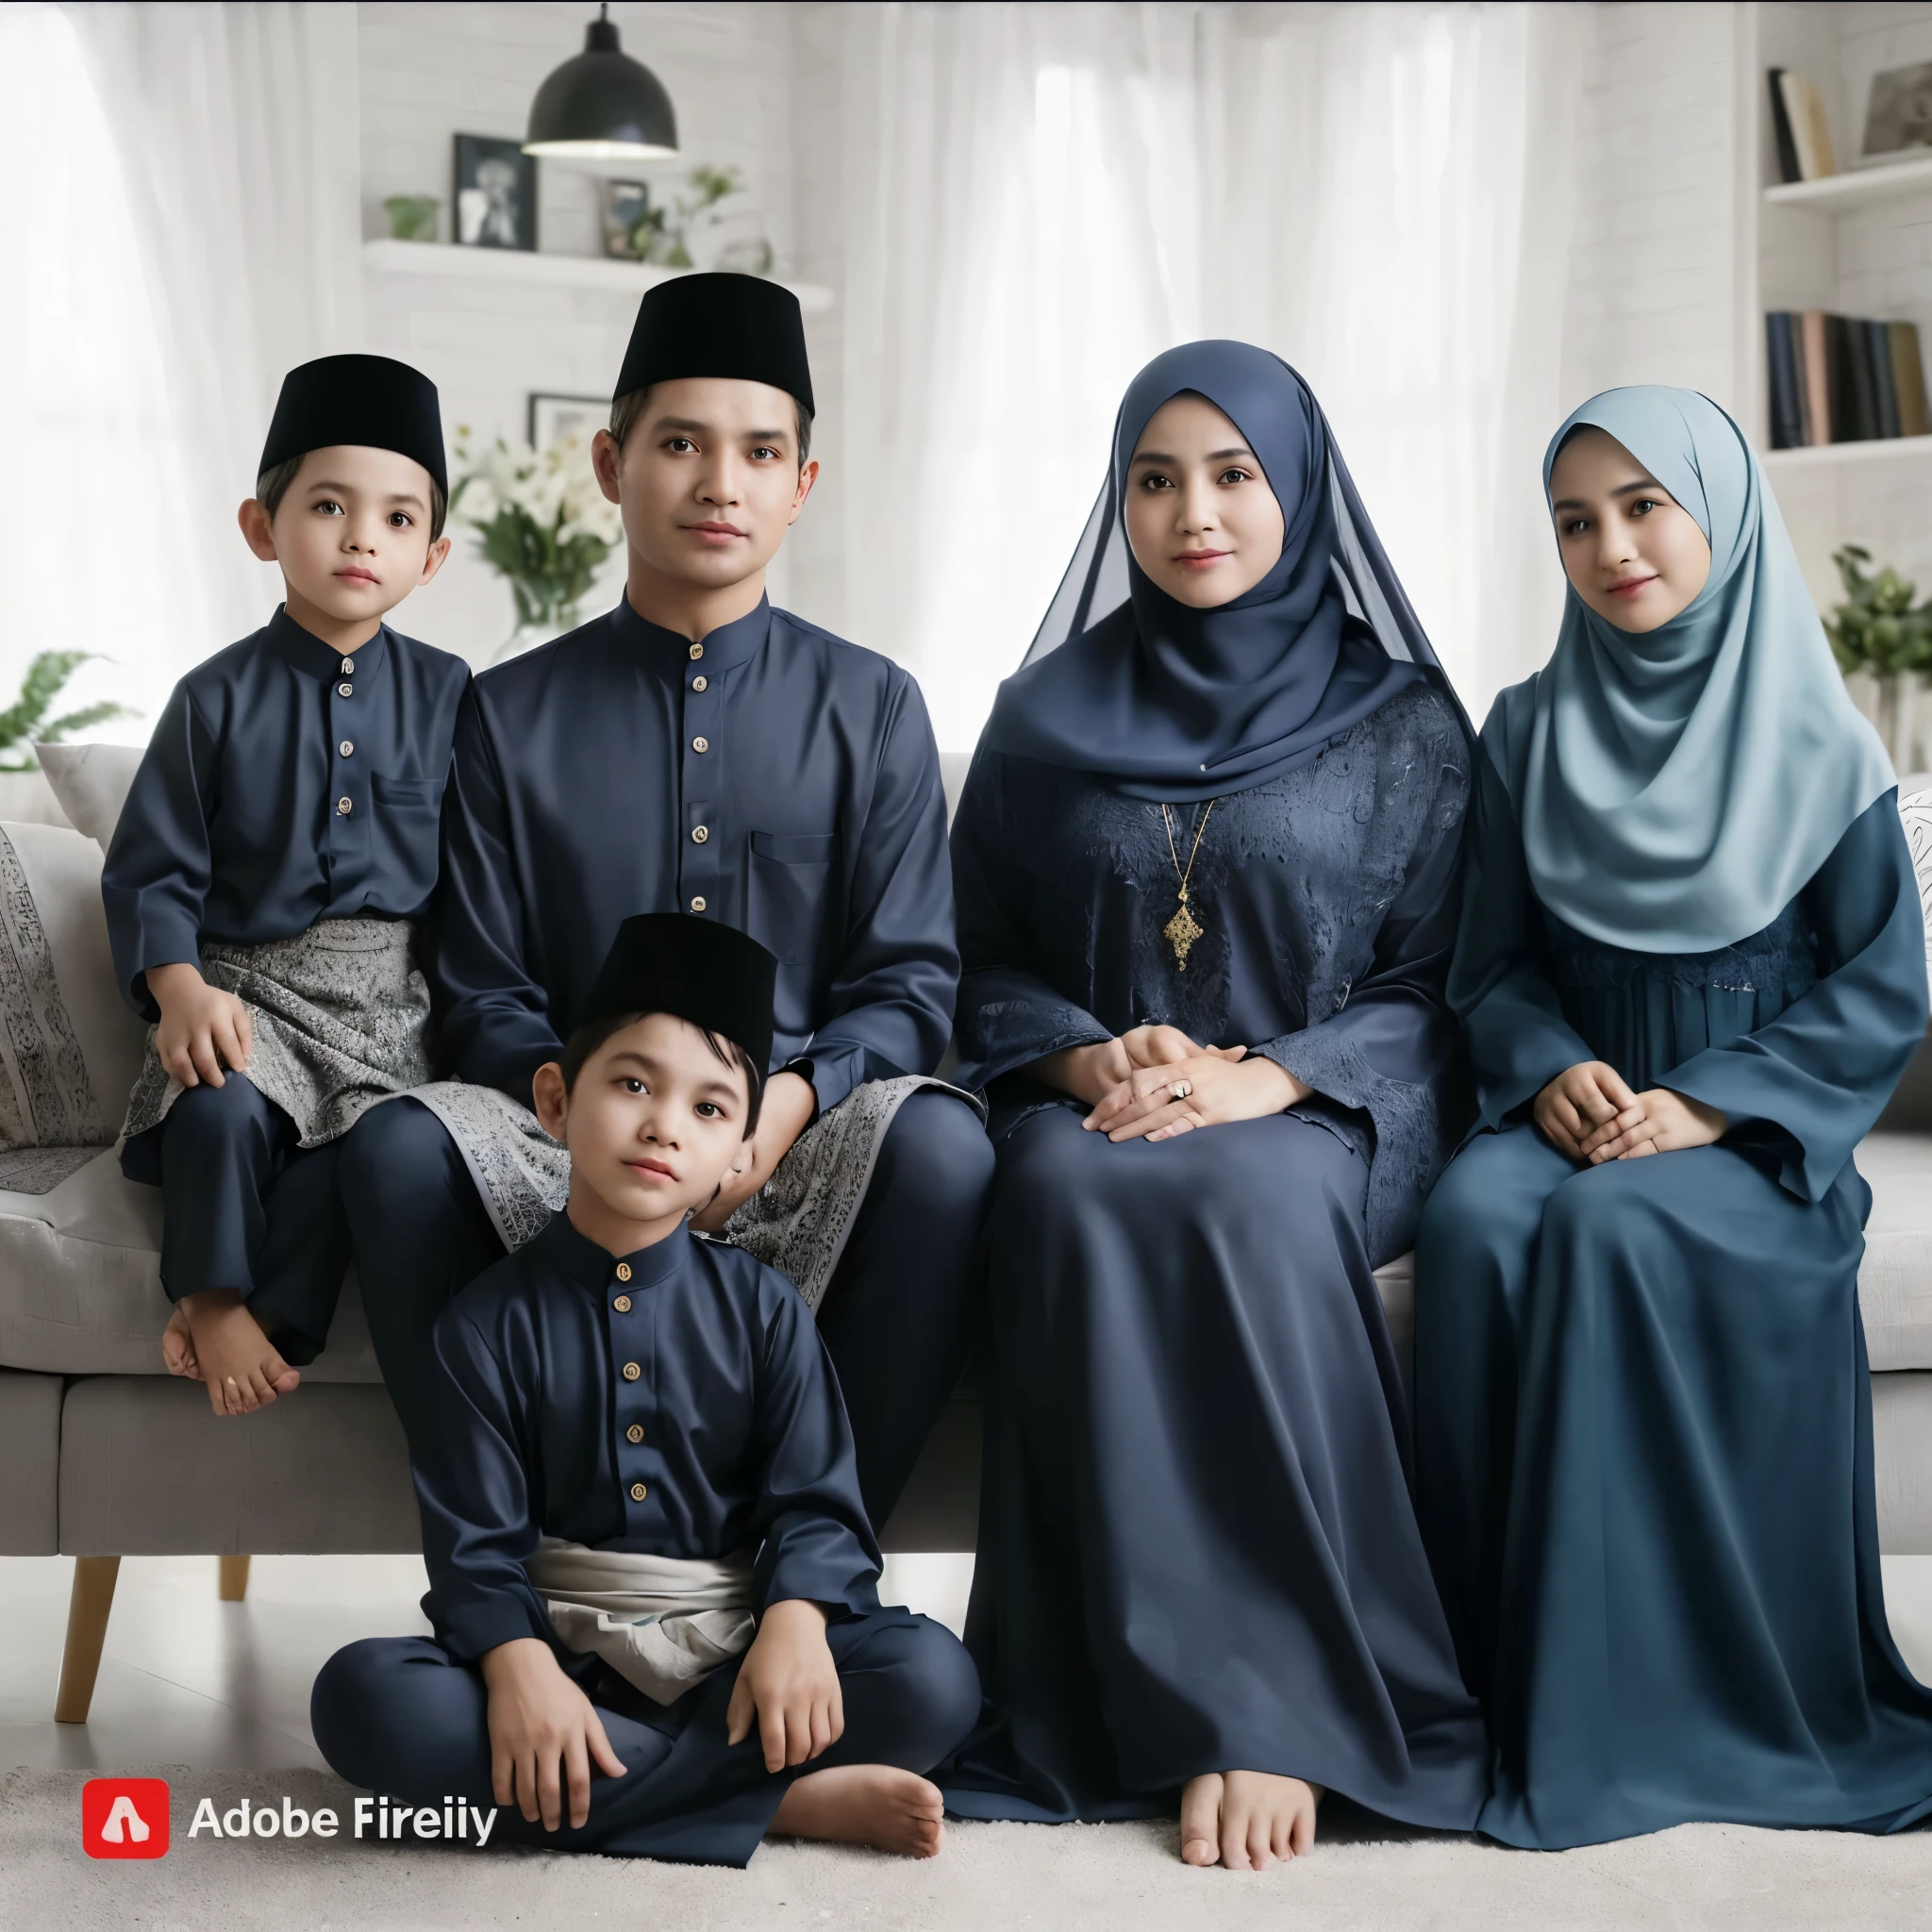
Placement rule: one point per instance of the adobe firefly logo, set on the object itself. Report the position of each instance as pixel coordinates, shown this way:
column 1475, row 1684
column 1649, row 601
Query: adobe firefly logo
column 124, row 1816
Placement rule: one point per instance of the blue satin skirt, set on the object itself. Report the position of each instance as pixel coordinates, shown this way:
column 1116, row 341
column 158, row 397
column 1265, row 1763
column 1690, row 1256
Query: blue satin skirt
column 1644, row 1467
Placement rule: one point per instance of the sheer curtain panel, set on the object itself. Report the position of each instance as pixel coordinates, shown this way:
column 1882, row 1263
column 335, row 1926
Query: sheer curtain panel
column 226, row 192
column 1037, row 198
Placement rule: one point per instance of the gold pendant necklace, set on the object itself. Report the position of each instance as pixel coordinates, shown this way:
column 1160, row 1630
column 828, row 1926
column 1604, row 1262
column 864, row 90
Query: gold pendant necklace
column 1183, row 929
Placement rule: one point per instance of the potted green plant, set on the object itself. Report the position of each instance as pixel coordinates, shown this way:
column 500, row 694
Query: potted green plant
column 1883, row 644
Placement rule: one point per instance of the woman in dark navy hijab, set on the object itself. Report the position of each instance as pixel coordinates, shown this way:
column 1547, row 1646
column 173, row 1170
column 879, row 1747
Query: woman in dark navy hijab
column 1205, row 865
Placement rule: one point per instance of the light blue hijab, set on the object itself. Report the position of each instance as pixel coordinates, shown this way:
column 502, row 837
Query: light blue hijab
column 1676, row 790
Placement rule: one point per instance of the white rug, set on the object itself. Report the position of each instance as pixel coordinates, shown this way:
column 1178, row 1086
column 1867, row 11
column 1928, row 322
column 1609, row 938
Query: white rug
column 1100, row 1878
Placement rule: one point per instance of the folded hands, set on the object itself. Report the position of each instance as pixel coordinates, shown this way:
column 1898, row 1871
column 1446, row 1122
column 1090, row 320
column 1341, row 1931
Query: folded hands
column 1589, row 1113
column 1154, row 1082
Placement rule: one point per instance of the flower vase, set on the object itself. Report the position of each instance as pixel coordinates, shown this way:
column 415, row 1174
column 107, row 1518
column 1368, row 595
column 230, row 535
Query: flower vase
column 534, row 627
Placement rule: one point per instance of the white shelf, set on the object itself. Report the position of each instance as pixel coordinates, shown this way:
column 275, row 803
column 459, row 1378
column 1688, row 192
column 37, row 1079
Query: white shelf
column 1881, row 450
column 630, row 278
column 1856, row 186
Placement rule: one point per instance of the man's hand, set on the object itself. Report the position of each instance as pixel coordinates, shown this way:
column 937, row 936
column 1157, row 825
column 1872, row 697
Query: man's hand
column 788, row 1107
column 789, row 1683
column 1665, row 1123
column 201, row 1028
column 1218, row 1084
column 543, row 1733
column 1580, row 1100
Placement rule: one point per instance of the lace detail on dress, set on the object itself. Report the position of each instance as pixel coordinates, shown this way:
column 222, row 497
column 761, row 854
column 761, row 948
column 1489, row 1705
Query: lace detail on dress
column 1781, row 961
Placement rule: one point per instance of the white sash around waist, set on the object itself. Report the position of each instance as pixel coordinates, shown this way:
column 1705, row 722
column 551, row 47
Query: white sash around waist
column 663, row 1623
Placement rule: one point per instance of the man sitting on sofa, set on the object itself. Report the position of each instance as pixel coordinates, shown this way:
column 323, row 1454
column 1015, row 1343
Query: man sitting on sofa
column 697, row 751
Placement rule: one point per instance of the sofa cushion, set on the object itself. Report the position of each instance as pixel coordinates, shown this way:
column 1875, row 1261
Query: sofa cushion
column 80, row 1283
column 71, row 1047
column 92, row 782
column 1895, row 1283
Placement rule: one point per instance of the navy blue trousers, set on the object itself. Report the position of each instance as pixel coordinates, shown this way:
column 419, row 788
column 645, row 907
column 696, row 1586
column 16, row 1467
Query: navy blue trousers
column 897, row 1312
column 244, row 1206
column 401, row 1716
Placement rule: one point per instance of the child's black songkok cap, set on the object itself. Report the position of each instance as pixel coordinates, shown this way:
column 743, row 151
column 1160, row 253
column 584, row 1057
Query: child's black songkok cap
column 699, row 970
column 719, row 325
column 369, row 400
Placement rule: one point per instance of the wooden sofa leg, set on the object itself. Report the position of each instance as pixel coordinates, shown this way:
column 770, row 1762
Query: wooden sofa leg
column 234, row 1583
column 87, row 1629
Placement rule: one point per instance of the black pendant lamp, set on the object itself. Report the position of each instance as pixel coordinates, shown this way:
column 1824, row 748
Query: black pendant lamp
column 603, row 105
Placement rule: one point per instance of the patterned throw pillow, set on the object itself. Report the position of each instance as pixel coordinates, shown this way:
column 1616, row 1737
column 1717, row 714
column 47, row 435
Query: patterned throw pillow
column 1916, row 810
column 69, row 1046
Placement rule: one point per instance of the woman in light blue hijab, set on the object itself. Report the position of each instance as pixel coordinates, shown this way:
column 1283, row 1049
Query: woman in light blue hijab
column 1692, row 969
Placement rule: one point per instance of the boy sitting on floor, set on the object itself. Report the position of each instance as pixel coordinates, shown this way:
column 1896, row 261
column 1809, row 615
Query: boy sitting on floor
column 640, row 1507
column 278, row 842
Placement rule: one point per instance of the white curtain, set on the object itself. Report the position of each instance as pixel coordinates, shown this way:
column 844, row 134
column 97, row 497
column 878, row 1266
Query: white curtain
column 1037, row 198
column 189, row 193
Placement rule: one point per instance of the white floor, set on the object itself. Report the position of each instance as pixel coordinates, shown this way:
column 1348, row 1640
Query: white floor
column 188, row 1679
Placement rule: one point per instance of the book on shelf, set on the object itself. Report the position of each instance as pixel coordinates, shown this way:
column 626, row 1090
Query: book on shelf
column 1805, row 150
column 1843, row 379
column 1787, row 169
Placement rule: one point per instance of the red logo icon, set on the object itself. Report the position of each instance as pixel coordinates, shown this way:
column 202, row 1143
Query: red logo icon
column 124, row 1816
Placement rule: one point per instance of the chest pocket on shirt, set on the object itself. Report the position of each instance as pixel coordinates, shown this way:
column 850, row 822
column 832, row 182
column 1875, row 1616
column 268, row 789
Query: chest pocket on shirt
column 408, row 814
column 790, row 879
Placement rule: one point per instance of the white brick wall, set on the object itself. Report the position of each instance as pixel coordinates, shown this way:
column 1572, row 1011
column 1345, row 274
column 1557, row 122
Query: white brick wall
column 1653, row 263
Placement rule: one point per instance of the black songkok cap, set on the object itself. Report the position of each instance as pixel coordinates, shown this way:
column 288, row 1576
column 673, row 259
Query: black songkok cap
column 701, row 969
column 719, row 325
column 369, row 400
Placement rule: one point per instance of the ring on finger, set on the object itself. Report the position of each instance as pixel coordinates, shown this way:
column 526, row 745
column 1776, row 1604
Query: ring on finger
column 1180, row 1089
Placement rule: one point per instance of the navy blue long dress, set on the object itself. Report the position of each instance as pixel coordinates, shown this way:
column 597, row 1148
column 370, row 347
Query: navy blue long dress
column 1644, row 1418
column 1197, row 1549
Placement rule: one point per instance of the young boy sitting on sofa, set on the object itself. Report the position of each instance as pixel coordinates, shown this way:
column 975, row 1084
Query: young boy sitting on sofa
column 648, row 1551
column 278, row 840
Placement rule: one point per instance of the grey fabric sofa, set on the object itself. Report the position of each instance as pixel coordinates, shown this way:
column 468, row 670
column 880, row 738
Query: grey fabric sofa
column 106, row 1455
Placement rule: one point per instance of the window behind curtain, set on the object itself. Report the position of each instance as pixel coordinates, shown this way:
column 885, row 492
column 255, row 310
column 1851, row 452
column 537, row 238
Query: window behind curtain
column 91, row 476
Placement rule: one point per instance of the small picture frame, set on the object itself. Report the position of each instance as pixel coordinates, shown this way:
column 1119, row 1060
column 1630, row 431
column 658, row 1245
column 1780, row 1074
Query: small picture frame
column 556, row 419
column 626, row 204
column 496, row 197
column 1898, row 114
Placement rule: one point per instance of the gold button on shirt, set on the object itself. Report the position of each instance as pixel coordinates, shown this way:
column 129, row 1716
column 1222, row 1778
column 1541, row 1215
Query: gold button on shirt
column 622, row 1305
column 638, row 1493
column 623, row 1270
column 701, row 744
column 635, row 1433
column 697, row 651
column 699, row 684
column 631, row 1372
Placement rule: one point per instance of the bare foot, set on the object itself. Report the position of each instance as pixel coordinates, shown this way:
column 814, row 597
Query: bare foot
column 866, row 1805
column 1246, row 1820
column 177, row 1346
column 241, row 1367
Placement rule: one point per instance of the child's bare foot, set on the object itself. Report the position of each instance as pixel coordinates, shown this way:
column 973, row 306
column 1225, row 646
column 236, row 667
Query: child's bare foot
column 866, row 1805
column 177, row 1346
column 1246, row 1820
column 241, row 1367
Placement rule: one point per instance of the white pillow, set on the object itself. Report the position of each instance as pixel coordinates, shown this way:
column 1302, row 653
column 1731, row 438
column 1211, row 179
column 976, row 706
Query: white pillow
column 92, row 782
column 72, row 1046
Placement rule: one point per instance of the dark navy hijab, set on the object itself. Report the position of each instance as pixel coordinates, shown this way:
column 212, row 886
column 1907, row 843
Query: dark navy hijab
column 1170, row 703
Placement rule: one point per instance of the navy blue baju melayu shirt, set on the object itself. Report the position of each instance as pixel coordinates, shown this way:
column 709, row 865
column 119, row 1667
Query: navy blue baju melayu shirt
column 771, row 776
column 677, row 1402
column 286, row 783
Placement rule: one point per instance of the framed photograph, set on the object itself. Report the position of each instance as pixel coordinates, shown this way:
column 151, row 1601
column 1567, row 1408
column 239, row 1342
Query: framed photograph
column 495, row 193
column 1899, row 114
column 556, row 419
column 626, row 204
